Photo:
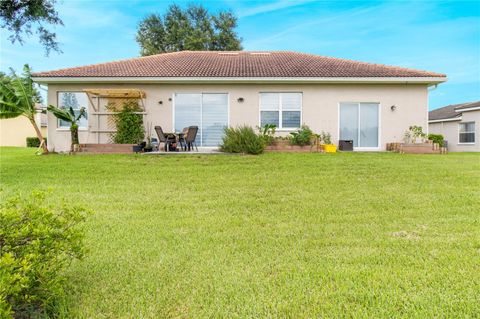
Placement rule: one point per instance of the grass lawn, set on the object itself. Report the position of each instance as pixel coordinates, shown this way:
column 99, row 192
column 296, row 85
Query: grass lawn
column 276, row 235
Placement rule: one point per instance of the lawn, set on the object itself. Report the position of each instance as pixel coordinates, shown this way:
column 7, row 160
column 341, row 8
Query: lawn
column 275, row 235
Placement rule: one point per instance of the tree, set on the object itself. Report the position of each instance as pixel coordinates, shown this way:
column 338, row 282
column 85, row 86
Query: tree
column 18, row 97
column 193, row 28
column 20, row 16
column 68, row 115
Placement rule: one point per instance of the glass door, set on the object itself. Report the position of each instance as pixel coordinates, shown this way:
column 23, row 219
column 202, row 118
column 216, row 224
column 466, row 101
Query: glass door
column 208, row 111
column 360, row 122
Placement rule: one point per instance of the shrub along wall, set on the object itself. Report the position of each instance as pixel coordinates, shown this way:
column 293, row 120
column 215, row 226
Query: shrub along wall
column 34, row 141
column 242, row 139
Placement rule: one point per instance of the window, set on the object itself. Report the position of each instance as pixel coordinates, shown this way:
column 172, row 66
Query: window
column 284, row 110
column 76, row 100
column 466, row 132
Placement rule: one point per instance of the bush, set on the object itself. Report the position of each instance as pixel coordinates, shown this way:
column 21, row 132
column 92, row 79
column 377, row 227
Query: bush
column 129, row 125
column 37, row 242
column 242, row 140
column 325, row 138
column 267, row 132
column 436, row 138
column 302, row 137
column 34, row 141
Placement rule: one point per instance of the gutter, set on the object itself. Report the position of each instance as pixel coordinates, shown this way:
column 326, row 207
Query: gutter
column 475, row 108
column 221, row 80
column 446, row 120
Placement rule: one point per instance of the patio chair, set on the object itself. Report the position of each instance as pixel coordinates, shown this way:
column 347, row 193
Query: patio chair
column 191, row 136
column 181, row 139
column 162, row 138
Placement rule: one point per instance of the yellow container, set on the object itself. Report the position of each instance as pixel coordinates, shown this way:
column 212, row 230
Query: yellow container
column 330, row 148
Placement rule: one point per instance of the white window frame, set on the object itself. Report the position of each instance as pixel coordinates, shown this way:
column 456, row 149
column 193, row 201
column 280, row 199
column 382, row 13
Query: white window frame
column 363, row 149
column 201, row 109
column 474, row 133
column 280, row 127
column 66, row 128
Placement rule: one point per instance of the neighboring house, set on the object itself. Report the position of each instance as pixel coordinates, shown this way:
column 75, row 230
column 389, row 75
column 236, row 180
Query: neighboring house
column 371, row 104
column 459, row 124
column 14, row 132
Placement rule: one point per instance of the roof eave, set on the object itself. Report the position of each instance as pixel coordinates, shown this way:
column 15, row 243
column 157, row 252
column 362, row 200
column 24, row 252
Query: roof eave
column 405, row 80
column 451, row 119
column 467, row 109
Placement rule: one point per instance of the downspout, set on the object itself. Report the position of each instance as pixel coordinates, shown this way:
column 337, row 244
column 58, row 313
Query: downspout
column 430, row 88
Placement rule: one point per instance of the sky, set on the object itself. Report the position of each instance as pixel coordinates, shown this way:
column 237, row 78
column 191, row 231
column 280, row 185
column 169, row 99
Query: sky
column 439, row 36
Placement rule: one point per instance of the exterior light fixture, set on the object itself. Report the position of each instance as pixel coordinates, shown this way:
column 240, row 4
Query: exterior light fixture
column 240, row 100
column 393, row 107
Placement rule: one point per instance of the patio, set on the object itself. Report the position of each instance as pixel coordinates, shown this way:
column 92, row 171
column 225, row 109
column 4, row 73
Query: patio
column 201, row 151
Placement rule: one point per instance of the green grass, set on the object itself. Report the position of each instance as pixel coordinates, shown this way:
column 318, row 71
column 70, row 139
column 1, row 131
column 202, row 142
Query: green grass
column 277, row 235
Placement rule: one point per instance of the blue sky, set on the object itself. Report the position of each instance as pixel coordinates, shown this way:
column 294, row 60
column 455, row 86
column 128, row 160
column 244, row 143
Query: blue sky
column 440, row 36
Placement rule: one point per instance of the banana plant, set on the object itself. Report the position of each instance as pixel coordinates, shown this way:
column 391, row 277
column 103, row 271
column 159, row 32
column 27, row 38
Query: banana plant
column 68, row 115
column 18, row 97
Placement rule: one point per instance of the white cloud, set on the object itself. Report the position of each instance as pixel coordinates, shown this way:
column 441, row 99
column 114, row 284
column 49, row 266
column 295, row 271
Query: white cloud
column 270, row 7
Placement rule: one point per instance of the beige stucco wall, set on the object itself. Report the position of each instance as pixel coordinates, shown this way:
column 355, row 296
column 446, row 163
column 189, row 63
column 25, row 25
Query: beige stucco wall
column 13, row 132
column 319, row 109
column 449, row 130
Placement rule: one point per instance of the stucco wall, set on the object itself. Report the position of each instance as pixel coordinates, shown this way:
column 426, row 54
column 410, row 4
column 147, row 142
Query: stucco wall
column 13, row 132
column 319, row 109
column 449, row 130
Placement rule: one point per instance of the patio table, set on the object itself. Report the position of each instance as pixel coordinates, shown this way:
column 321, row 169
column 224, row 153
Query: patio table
column 178, row 137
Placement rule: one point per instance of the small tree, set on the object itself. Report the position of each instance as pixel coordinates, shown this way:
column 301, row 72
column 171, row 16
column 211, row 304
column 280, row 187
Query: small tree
column 18, row 97
column 68, row 115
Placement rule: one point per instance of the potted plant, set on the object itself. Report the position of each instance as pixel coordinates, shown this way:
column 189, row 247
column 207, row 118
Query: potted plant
column 147, row 147
column 139, row 147
column 414, row 133
column 326, row 142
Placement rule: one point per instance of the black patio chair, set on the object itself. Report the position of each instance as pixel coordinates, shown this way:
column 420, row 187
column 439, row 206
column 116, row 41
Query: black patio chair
column 191, row 136
column 162, row 138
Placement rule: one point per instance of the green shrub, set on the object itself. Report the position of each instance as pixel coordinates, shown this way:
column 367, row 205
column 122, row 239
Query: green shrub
column 436, row 138
column 325, row 138
column 242, row 140
column 37, row 242
column 129, row 125
column 302, row 137
column 34, row 141
column 267, row 132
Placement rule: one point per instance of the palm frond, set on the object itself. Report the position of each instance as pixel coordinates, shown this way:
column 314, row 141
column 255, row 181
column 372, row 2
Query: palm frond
column 82, row 113
column 8, row 110
column 61, row 114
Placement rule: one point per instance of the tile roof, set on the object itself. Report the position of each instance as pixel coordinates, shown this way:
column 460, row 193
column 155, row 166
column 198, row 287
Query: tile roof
column 450, row 111
column 235, row 64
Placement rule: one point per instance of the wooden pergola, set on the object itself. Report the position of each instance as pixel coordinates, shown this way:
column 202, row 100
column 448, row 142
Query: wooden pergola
column 115, row 100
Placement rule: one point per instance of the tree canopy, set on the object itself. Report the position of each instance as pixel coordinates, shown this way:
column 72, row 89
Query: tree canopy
column 193, row 28
column 20, row 17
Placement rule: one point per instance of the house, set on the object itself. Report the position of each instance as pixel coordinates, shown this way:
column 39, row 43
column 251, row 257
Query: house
column 14, row 132
column 459, row 124
column 371, row 104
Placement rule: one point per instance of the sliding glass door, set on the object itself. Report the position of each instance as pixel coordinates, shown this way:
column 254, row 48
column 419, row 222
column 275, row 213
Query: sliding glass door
column 208, row 111
column 360, row 122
